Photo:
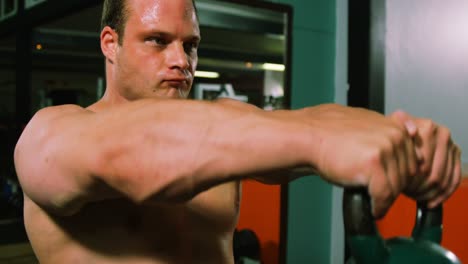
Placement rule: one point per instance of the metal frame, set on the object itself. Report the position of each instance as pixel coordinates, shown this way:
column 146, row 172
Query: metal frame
column 377, row 56
column 41, row 13
column 366, row 49
column 367, row 54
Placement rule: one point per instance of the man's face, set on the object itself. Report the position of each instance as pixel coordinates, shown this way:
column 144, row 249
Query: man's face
column 158, row 55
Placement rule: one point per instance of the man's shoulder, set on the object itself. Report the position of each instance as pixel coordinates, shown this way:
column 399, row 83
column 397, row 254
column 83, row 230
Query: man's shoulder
column 57, row 111
column 60, row 109
column 49, row 115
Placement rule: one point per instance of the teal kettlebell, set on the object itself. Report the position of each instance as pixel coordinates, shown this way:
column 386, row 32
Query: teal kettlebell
column 368, row 247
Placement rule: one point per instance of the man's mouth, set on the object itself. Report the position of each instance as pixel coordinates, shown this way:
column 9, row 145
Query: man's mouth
column 176, row 83
column 181, row 85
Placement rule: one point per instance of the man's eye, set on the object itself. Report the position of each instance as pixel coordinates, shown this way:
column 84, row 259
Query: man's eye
column 190, row 46
column 158, row 40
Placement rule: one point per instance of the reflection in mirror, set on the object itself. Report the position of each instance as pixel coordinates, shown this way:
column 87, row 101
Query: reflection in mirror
column 245, row 48
column 242, row 47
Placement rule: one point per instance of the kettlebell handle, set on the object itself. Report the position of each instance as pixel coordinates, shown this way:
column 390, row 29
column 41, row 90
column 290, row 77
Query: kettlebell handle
column 428, row 224
column 366, row 245
column 358, row 219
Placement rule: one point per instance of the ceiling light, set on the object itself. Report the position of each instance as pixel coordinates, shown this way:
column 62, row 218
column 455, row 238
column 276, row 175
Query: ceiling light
column 207, row 74
column 273, row 67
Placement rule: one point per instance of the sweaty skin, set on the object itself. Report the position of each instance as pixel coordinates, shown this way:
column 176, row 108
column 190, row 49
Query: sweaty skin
column 144, row 177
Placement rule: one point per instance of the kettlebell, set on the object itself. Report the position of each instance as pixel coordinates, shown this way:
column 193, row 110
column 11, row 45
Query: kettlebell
column 368, row 247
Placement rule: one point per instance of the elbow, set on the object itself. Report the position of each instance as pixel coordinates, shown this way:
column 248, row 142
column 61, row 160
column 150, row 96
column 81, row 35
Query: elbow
column 40, row 180
column 60, row 207
column 167, row 188
column 168, row 192
column 138, row 179
column 53, row 200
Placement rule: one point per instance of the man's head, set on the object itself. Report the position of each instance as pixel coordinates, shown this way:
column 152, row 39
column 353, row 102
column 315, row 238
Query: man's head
column 150, row 47
column 114, row 15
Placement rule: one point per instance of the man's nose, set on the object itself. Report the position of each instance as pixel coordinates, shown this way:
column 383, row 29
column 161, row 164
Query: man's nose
column 177, row 57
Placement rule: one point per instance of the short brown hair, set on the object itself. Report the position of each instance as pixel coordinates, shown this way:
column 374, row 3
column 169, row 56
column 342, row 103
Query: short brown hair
column 115, row 14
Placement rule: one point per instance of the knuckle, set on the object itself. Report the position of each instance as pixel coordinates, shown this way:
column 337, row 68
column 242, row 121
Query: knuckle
column 425, row 168
column 444, row 184
column 428, row 126
column 457, row 180
column 397, row 136
column 412, row 169
column 387, row 194
column 388, row 146
column 435, row 183
column 384, row 195
column 446, row 134
column 432, row 126
column 374, row 157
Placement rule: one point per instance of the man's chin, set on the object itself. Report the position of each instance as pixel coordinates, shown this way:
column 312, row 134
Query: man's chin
column 176, row 93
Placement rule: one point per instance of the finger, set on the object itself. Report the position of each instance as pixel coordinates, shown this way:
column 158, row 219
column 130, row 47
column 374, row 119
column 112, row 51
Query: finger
column 457, row 173
column 418, row 143
column 411, row 162
column 445, row 182
column 407, row 120
column 455, row 178
column 380, row 191
column 406, row 164
column 430, row 188
column 401, row 160
column 393, row 166
column 426, row 142
column 415, row 178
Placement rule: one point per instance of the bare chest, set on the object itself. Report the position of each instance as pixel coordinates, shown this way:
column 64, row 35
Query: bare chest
column 205, row 223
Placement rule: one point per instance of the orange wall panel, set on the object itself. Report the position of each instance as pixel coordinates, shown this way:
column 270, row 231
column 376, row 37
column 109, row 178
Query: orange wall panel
column 260, row 211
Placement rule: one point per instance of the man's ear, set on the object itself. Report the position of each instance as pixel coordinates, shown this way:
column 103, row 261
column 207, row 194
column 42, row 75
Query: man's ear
column 109, row 43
